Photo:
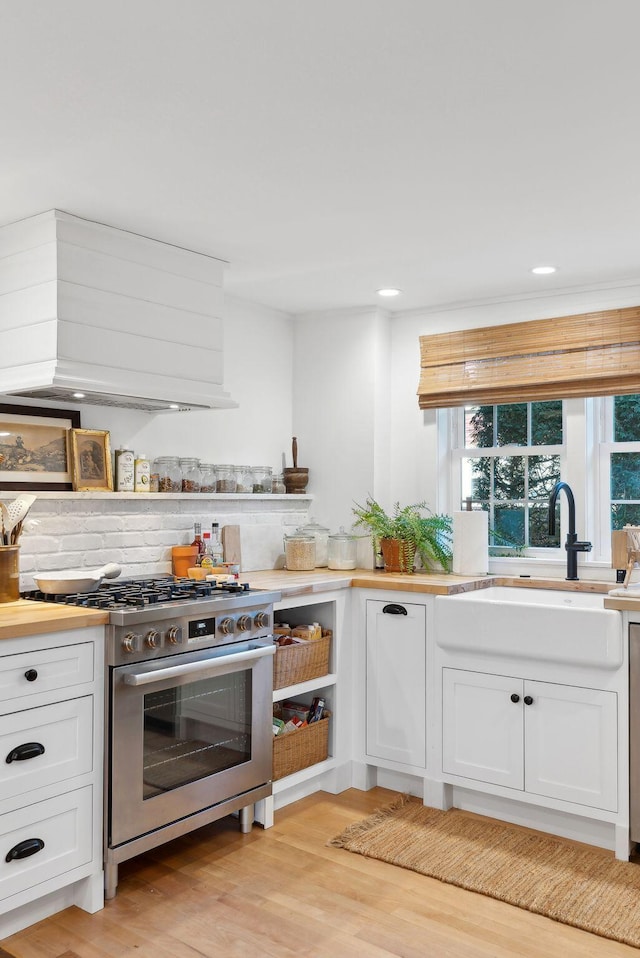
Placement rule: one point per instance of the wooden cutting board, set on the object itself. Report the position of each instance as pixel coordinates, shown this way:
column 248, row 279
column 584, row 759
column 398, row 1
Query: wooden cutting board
column 231, row 545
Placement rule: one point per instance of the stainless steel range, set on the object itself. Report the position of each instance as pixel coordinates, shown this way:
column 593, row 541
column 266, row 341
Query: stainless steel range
column 189, row 706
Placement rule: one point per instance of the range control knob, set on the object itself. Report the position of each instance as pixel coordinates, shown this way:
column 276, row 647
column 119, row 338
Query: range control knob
column 244, row 623
column 131, row 642
column 227, row 626
column 152, row 639
column 261, row 620
column 174, row 635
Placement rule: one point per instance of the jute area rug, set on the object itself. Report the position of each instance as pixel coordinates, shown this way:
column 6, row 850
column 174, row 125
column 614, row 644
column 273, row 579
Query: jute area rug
column 570, row 883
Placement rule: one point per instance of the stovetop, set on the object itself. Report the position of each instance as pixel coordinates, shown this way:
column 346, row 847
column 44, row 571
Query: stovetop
column 141, row 593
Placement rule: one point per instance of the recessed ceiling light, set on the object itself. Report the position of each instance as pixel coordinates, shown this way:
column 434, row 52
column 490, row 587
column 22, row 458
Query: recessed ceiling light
column 78, row 395
column 388, row 291
column 543, row 270
column 174, row 406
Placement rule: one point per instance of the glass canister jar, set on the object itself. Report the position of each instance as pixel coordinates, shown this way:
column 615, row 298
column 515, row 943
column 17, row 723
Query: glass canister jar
column 226, row 479
column 169, row 473
column 262, row 478
column 299, row 552
column 207, row 477
column 190, row 475
column 321, row 535
column 342, row 550
column 278, row 487
column 244, row 479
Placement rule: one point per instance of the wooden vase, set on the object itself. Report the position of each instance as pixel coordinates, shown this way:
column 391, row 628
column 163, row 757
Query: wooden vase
column 398, row 555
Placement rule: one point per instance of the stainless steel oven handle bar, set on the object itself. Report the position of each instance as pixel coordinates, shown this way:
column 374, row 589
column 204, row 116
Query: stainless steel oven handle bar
column 208, row 666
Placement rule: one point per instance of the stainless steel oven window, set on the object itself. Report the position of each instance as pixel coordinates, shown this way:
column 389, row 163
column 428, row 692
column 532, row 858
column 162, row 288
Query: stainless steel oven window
column 195, row 730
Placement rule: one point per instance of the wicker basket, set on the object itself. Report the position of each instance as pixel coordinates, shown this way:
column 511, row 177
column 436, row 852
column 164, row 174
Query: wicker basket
column 296, row 750
column 301, row 662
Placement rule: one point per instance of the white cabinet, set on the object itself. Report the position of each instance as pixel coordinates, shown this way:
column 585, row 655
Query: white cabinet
column 51, row 734
column 396, row 681
column 542, row 738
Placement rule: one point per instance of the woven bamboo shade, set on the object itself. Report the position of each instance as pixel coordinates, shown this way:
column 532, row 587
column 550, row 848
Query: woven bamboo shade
column 591, row 354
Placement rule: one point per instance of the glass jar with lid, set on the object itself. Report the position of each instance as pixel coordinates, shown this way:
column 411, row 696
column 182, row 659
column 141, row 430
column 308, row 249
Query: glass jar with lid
column 169, row 473
column 244, row 479
column 299, row 552
column 342, row 550
column 207, row 477
column 278, row 487
column 321, row 535
column 261, row 478
column 226, row 479
column 190, row 475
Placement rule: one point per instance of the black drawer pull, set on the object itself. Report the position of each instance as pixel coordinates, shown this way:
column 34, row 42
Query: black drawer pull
column 394, row 609
column 31, row 675
column 25, row 849
column 22, row 752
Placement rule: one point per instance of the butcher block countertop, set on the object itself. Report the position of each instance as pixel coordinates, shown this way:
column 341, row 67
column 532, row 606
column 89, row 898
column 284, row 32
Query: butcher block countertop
column 24, row 617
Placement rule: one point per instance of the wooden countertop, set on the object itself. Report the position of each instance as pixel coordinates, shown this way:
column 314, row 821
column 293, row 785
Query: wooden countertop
column 24, row 617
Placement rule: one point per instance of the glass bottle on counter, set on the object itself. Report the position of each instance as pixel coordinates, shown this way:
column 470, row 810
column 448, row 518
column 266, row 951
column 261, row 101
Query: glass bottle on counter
column 169, row 473
column 206, row 559
column 216, row 544
column 190, row 475
column 198, row 541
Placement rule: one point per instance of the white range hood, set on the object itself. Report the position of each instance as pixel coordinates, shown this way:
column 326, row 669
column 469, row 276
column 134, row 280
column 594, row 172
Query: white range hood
column 122, row 319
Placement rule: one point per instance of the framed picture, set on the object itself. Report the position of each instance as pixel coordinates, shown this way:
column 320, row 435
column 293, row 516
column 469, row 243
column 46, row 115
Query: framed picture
column 90, row 460
column 34, row 447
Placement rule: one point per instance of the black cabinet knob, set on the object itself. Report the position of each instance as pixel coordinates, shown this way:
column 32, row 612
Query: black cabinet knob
column 528, row 700
column 31, row 675
column 515, row 697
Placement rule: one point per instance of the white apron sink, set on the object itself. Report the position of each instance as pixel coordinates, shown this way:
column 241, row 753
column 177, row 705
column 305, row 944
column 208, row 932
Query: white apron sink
column 557, row 626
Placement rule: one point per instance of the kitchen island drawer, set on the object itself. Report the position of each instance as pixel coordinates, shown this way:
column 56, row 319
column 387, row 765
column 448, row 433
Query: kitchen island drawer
column 41, row 841
column 41, row 746
column 32, row 673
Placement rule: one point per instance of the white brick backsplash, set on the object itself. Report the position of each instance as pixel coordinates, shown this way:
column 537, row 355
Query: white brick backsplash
column 80, row 530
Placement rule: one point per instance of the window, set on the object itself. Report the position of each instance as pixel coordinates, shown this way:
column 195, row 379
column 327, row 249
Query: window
column 621, row 429
column 508, row 461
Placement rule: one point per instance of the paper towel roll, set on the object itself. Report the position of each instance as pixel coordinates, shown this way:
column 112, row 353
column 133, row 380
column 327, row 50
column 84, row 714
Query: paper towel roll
column 471, row 543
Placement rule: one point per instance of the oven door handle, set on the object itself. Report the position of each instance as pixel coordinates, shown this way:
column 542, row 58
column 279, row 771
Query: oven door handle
column 209, row 666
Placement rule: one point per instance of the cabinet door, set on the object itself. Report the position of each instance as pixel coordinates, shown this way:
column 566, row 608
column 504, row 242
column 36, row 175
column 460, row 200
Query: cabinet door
column 396, row 682
column 482, row 727
column 571, row 744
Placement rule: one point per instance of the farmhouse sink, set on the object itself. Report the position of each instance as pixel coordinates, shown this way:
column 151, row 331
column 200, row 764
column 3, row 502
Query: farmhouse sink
column 556, row 626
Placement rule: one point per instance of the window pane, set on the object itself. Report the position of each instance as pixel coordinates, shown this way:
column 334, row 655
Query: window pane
column 626, row 419
column 509, row 525
column 544, row 472
column 478, row 426
column 476, row 478
column 625, row 475
column 623, row 514
column 512, row 424
column 508, row 480
column 546, row 423
column 539, row 537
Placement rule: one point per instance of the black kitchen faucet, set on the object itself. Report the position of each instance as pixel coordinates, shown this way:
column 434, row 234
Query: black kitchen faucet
column 572, row 545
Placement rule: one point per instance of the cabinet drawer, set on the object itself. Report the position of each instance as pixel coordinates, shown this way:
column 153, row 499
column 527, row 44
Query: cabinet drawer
column 32, row 673
column 64, row 731
column 62, row 824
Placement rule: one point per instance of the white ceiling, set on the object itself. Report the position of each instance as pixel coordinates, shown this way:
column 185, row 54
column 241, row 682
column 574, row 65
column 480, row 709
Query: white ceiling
column 328, row 148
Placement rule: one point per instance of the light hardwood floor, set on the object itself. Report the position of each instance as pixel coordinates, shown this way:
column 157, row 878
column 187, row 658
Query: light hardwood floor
column 283, row 893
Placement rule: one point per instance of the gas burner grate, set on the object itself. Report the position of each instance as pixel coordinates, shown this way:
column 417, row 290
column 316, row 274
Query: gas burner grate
column 142, row 593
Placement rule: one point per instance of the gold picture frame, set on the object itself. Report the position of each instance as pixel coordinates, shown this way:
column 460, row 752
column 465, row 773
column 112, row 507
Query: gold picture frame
column 90, row 455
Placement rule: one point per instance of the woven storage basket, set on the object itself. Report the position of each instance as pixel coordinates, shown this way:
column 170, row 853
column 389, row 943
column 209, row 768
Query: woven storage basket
column 299, row 663
column 296, row 750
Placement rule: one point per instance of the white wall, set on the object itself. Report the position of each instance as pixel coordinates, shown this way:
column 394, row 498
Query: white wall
column 258, row 364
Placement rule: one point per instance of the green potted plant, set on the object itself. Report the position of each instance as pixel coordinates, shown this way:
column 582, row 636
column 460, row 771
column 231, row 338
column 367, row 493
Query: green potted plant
column 407, row 531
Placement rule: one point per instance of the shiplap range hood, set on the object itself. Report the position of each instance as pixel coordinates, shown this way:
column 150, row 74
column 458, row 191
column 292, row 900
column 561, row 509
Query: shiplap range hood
column 126, row 320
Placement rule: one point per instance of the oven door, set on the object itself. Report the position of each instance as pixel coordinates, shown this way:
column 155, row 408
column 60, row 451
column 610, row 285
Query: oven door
column 187, row 732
